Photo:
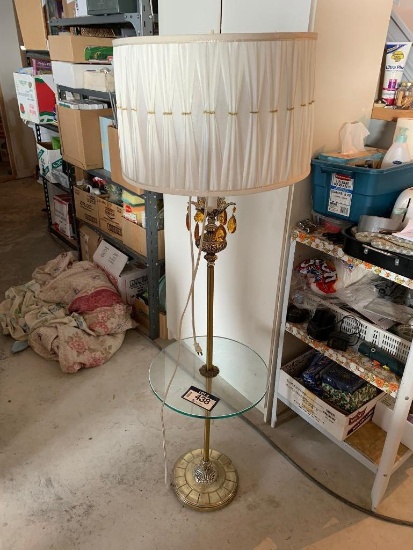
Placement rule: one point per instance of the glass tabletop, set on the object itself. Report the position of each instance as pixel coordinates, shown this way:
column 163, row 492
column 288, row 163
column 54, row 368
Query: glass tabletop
column 240, row 384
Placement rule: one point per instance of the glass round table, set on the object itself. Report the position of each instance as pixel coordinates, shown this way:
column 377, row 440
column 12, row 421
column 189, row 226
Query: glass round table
column 205, row 479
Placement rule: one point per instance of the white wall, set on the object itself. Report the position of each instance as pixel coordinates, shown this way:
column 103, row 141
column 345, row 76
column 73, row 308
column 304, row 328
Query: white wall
column 347, row 71
column 21, row 137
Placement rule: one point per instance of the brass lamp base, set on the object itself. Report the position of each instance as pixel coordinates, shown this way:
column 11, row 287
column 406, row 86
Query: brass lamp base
column 205, row 486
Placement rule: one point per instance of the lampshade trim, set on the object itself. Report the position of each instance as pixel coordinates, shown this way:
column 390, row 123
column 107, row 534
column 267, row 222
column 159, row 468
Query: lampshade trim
column 220, row 193
column 224, row 37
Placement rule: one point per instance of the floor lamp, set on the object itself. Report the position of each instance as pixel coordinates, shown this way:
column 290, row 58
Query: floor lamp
column 209, row 116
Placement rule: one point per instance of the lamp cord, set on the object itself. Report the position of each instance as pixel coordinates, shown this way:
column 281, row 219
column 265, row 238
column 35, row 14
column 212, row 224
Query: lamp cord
column 320, row 485
column 197, row 346
column 190, row 293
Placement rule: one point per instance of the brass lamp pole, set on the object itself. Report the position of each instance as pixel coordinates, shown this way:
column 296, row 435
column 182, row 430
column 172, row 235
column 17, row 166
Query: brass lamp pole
column 210, row 475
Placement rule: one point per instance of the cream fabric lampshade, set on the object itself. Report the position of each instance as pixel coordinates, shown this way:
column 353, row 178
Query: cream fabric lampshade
column 219, row 114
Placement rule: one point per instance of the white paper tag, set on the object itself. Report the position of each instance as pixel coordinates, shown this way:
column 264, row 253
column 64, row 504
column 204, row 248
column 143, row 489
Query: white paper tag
column 341, row 194
column 201, row 398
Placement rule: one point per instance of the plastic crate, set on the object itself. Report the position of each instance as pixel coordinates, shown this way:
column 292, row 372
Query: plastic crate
column 394, row 345
column 347, row 192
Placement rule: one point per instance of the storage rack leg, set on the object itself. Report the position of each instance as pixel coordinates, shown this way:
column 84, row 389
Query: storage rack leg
column 286, row 295
column 395, row 433
column 151, row 219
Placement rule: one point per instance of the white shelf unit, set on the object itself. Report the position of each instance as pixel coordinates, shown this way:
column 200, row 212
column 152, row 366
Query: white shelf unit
column 387, row 451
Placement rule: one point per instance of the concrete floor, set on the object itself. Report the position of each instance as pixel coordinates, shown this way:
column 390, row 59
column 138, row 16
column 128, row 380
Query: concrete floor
column 81, row 463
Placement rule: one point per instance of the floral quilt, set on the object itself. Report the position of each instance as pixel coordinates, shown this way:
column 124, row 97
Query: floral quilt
column 69, row 312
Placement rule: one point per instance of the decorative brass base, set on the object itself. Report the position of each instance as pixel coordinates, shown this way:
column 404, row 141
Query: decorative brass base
column 206, row 495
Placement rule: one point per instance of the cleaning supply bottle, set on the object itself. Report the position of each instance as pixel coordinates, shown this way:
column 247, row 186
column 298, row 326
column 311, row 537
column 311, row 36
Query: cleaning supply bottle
column 399, row 152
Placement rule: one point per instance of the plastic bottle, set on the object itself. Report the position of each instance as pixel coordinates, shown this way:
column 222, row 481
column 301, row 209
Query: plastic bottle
column 399, row 152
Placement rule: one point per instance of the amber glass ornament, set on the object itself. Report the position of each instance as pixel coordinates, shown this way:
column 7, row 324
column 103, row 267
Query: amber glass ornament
column 220, row 233
column 188, row 223
column 196, row 232
column 232, row 222
column 199, row 216
column 222, row 217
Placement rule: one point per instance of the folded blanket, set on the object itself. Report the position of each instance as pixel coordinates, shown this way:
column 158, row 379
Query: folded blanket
column 69, row 312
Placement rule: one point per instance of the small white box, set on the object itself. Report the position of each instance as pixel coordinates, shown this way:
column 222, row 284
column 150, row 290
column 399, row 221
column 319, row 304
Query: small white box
column 49, row 160
column 338, row 424
column 81, row 8
column 98, row 79
column 131, row 281
column 61, row 211
column 71, row 75
column 104, row 123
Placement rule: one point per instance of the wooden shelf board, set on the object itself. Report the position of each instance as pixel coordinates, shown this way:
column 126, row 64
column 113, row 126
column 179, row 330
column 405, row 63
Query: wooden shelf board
column 352, row 360
column 369, row 441
column 317, row 241
column 391, row 115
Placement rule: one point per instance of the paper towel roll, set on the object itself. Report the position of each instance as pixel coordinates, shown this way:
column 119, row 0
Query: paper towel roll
column 408, row 124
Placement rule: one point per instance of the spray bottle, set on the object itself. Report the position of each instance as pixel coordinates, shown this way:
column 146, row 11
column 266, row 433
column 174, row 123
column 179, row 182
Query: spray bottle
column 399, row 152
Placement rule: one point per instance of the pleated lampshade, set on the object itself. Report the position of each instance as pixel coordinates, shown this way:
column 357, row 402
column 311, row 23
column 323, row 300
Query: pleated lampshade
column 213, row 115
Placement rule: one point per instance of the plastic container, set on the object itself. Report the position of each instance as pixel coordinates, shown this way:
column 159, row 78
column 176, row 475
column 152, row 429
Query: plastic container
column 329, row 225
column 397, row 263
column 348, row 192
column 399, row 152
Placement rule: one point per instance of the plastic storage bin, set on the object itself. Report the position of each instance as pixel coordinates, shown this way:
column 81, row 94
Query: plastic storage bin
column 347, row 192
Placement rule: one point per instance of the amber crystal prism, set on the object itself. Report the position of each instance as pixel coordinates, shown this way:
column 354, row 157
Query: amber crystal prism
column 232, row 222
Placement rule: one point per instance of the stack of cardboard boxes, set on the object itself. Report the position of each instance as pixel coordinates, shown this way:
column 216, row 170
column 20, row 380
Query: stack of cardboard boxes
column 88, row 142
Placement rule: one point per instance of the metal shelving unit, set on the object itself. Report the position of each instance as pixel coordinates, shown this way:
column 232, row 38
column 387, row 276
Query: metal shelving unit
column 151, row 260
column 85, row 93
column 143, row 22
column 73, row 243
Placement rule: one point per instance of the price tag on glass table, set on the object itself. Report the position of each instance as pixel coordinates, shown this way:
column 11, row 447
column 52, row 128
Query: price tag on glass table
column 201, row 398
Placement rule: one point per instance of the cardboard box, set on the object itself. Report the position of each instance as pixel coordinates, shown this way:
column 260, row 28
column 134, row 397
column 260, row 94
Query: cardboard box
column 345, row 158
column 134, row 214
column 89, row 242
column 86, row 206
column 62, row 215
column 41, row 66
column 36, row 96
column 104, row 123
column 116, row 169
column 134, row 236
column 128, row 279
column 71, row 47
column 383, row 414
column 69, row 8
column 339, row 424
column 110, row 218
column 72, row 74
column 31, row 15
column 80, row 136
column 140, row 312
column 49, row 159
column 99, row 80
